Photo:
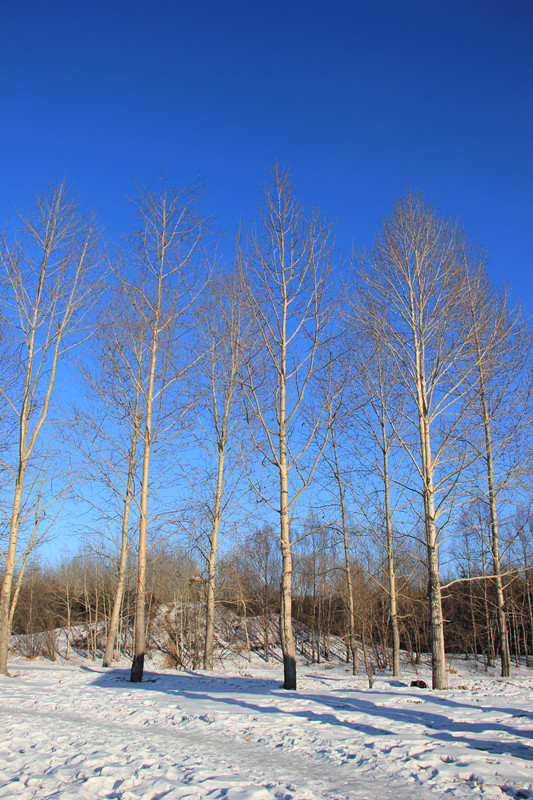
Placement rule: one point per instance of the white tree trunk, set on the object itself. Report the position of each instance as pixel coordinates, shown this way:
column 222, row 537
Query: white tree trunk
column 211, row 576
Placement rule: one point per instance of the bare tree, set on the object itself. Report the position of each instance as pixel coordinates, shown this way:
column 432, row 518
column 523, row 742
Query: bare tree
column 501, row 348
column 381, row 425
column 170, row 261
column 414, row 284
column 335, row 458
column 51, row 279
column 110, row 422
column 217, row 483
column 122, row 566
column 286, row 279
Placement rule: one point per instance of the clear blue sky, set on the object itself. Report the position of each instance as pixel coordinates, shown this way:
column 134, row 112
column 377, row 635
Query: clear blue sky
column 359, row 99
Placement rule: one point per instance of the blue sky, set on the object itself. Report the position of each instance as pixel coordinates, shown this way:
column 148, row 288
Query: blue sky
column 360, row 100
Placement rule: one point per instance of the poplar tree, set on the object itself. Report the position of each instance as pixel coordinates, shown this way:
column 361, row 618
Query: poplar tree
column 501, row 402
column 286, row 272
column 167, row 273
column 51, row 278
column 414, row 281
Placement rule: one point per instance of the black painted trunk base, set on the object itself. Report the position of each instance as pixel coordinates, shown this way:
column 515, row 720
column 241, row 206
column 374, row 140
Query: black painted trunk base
column 289, row 672
column 137, row 668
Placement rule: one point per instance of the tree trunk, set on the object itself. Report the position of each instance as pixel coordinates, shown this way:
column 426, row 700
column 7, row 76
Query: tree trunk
column 266, row 644
column 117, row 605
column 352, row 644
column 210, row 613
column 211, row 578
column 124, row 550
column 495, row 537
column 67, row 632
column 438, row 657
column 137, row 666
column 9, row 572
column 288, row 645
column 396, row 669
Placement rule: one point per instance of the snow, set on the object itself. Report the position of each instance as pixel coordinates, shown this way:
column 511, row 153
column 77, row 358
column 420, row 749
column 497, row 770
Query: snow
column 73, row 730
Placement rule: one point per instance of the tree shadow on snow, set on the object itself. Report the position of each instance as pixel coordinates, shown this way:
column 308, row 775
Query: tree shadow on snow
column 230, row 691
column 440, row 726
column 226, row 691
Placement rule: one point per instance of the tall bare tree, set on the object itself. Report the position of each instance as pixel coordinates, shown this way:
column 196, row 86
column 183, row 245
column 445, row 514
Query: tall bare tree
column 168, row 272
column 110, row 423
column 49, row 266
column 287, row 272
column 380, row 419
column 334, row 462
column 501, row 350
column 218, row 484
column 339, row 465
column 414, row 283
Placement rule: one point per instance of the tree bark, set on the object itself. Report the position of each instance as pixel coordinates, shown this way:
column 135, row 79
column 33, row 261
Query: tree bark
column 137, row 666
column 123, row 563
column 438, row 656
column 288, row 645
column 393, row 612
column 211, row 577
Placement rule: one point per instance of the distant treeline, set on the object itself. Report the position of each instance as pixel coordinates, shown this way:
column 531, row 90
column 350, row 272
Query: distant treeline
column 79, row 593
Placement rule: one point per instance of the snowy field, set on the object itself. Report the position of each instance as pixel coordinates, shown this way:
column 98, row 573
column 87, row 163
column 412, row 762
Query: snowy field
column 74, row 730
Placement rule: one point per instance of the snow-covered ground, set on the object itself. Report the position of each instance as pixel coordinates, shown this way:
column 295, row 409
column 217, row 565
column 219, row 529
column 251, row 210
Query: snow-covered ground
column 75, row 730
